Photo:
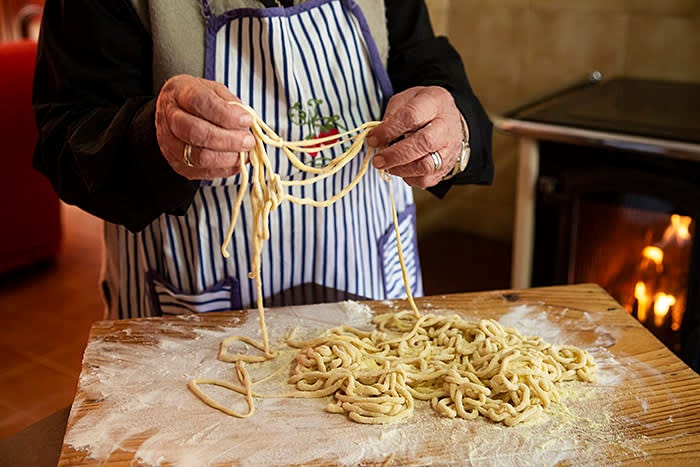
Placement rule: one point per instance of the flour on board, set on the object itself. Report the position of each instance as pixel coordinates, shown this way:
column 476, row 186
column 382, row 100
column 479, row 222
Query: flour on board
column 143, row 396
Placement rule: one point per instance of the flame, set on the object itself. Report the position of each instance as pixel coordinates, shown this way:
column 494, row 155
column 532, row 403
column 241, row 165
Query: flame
column 658, row 298
column 662, row 303
column 654, row 253
column 677, row 313
column 678, row 231
column 640, row 293
column 653, row 273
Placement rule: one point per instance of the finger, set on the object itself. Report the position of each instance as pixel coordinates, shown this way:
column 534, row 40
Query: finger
column 432, row 137
column 173, row 149
column 222, row 91
column 211, row 174
column 221, row 165
column 200, row 132
column 207, row 174
column 207, row 159
column 408, row 112
column 206, row 164
column 422, row 167
column 210, row 101
column 423, row 182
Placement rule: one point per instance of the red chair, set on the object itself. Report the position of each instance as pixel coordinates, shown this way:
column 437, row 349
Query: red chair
column 29, row 207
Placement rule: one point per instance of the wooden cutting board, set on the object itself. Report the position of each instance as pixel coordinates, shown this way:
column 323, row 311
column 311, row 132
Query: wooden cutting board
column 133, row 407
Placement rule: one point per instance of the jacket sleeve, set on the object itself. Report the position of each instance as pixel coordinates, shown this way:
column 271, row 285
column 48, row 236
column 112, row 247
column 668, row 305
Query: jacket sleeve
column 418, row 58
column 95, row 111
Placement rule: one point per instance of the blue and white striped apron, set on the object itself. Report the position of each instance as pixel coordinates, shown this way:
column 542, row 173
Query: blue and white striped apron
column 273, row 59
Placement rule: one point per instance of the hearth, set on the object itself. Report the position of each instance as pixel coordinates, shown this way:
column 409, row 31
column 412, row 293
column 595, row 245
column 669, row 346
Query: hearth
column 609, row 193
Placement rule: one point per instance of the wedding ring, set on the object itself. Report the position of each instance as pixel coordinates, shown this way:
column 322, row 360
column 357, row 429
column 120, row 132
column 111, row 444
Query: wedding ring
column 187, row 155
column 437, row 160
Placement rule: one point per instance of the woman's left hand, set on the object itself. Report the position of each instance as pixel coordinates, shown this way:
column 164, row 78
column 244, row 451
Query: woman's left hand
column 418, row 121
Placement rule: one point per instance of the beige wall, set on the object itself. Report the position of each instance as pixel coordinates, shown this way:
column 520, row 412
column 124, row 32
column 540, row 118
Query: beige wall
column 517, row 50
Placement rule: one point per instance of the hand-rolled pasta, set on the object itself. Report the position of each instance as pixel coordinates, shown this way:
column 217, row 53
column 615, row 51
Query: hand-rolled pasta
column 464, row 368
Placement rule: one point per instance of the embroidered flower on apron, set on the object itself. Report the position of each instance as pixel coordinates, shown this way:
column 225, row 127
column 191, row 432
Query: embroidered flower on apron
column 317, row 125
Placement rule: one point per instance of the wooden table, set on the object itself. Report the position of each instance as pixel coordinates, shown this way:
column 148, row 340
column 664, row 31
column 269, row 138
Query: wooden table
column 132, row 403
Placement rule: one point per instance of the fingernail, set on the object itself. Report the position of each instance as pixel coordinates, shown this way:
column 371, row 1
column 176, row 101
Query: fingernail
column 378, row 162
column 246, row 119
column 372, row 141
column 248, row 141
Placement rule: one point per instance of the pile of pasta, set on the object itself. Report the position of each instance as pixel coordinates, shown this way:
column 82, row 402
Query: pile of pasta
column 464, row 368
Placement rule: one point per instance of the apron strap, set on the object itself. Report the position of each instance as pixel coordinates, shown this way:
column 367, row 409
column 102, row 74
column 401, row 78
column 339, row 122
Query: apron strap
column 206, row 9
column 272, row 3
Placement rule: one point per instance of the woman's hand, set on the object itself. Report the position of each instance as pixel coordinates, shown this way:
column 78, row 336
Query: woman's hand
column 198, row 112
column 418, row 121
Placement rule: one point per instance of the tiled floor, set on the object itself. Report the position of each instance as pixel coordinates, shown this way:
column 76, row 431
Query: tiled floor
column 45, row 317
column 46, row 312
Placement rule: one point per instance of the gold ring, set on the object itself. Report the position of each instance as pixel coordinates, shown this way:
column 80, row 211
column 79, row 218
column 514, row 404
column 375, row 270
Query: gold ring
column 187, row 155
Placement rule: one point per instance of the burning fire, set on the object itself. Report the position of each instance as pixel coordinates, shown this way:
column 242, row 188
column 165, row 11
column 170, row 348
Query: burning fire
column 655, row 255
column 659, row 289
column 678, row 231
column 662, row 303
column 642, row 296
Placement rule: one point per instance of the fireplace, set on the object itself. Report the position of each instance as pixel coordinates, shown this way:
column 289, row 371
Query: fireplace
column 609, row 193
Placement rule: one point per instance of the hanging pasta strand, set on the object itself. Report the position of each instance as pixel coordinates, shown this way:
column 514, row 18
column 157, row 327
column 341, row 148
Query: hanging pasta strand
column 268, row 191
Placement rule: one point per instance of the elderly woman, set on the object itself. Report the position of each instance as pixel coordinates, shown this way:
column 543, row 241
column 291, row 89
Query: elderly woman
column 132, row 100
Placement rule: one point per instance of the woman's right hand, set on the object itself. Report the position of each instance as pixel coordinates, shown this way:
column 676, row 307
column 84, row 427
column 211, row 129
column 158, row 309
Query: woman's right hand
column 198, row 112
